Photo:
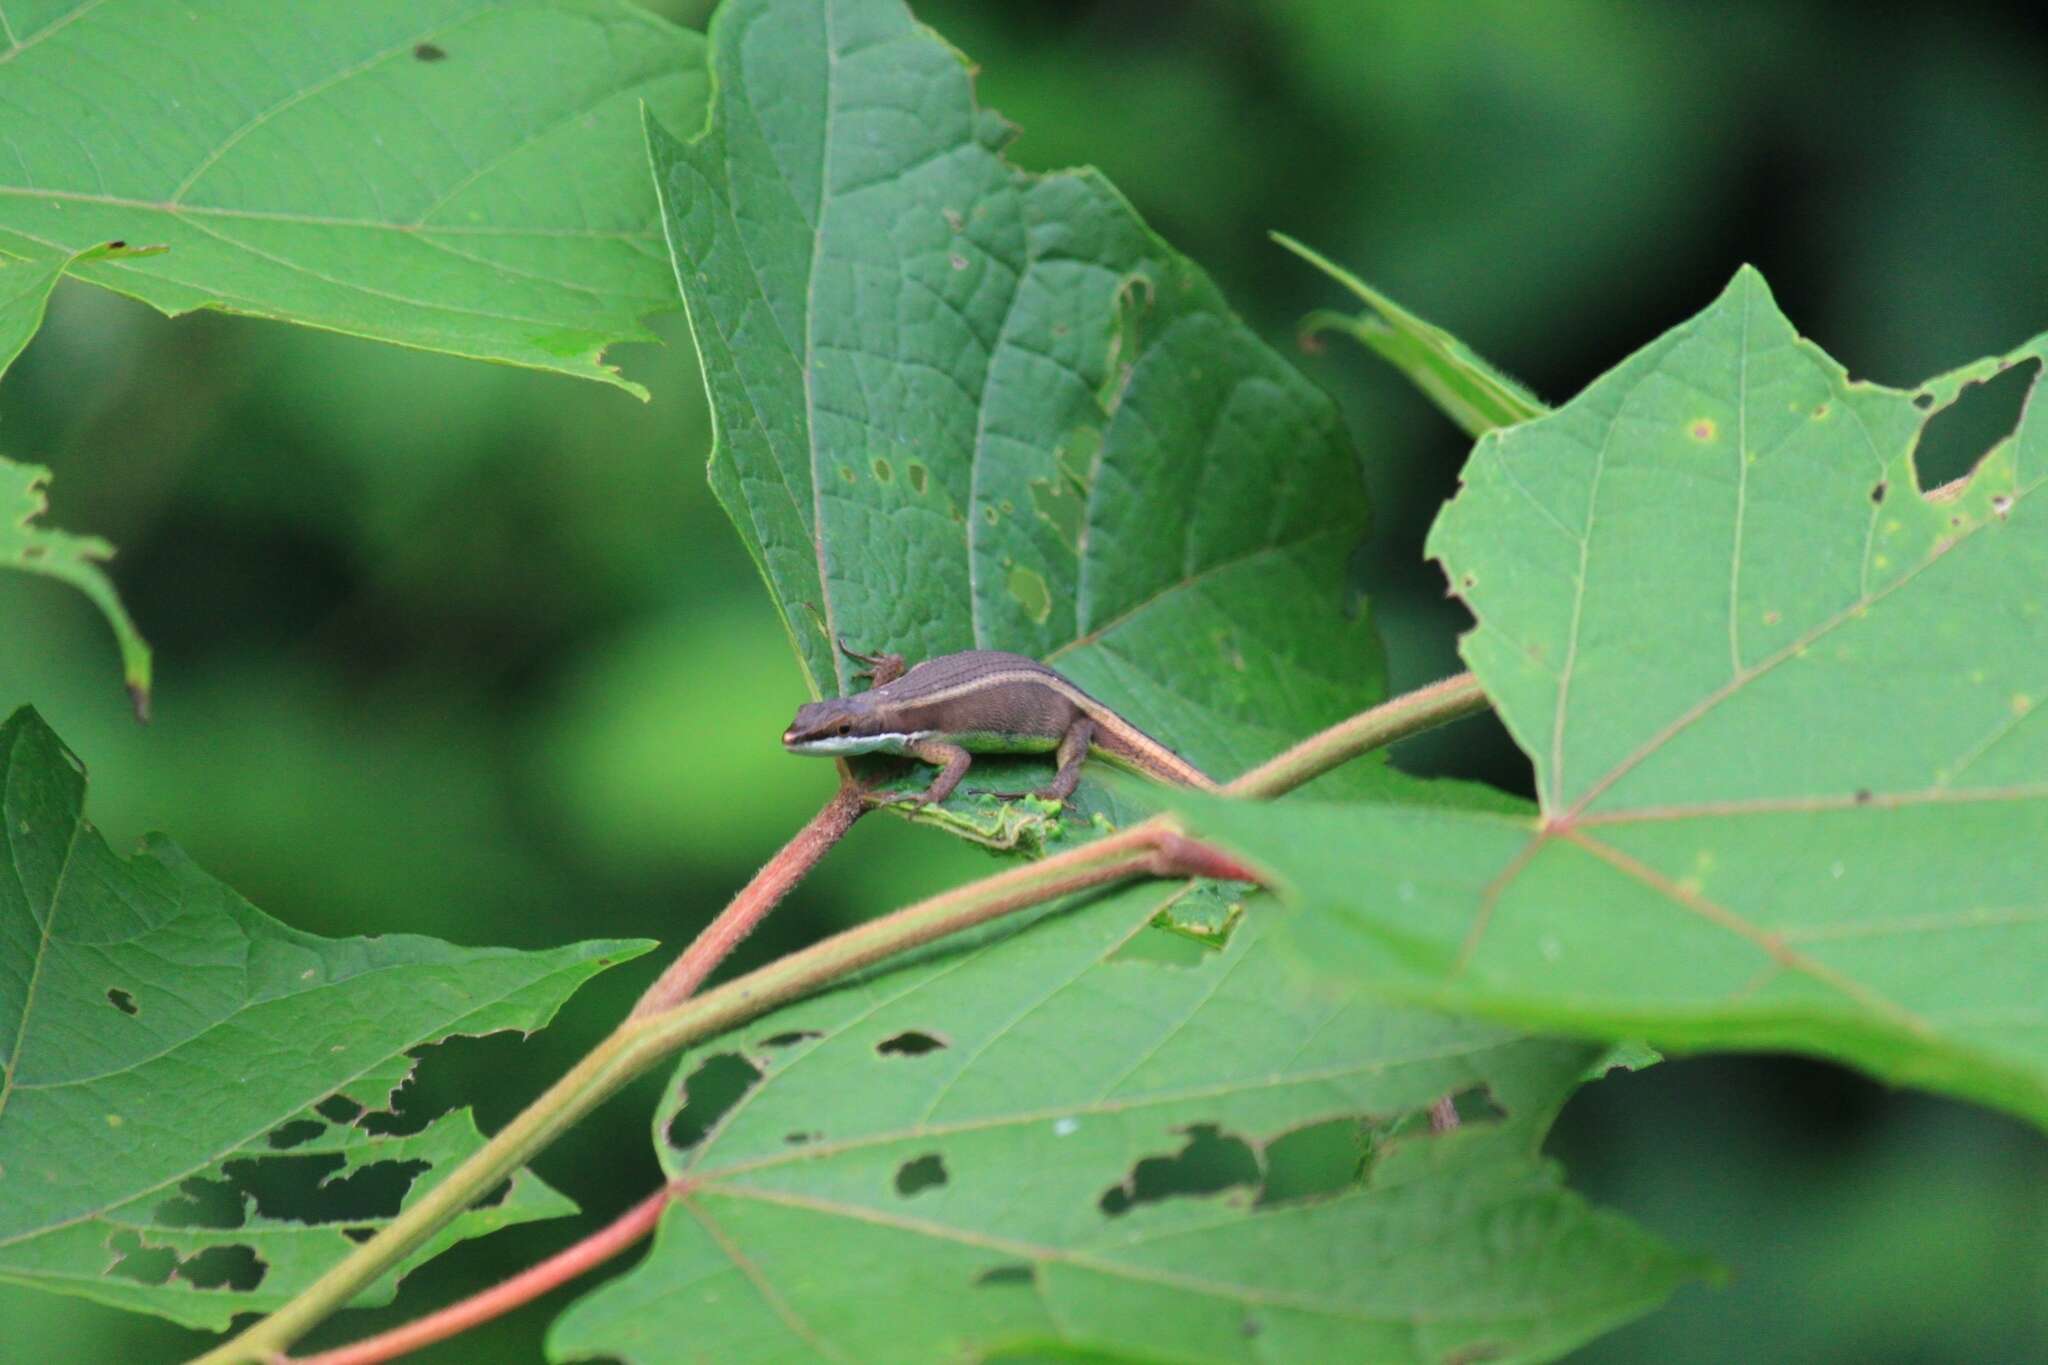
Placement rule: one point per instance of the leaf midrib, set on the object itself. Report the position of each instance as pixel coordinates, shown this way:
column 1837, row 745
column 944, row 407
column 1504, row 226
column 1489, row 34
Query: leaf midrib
column 1856, row 610
column 28, row 1002
column 919, row 1132
column 1105, row 1265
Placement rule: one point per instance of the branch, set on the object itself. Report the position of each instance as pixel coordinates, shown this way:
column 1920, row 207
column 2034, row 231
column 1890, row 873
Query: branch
column 644, row 1040
column 501, row 1298
column 650, row 1034
column 755, row 900
column 1411, row 713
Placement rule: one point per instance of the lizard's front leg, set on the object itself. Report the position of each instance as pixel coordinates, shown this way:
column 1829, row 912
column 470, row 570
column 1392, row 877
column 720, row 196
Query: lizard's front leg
column 882, row 669
column 952, row 761
column 1073, row 752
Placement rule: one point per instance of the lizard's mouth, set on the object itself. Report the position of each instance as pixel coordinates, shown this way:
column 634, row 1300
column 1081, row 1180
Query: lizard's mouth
column 798, row 743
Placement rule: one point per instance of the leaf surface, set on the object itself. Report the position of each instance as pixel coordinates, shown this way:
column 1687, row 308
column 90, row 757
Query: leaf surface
column 447, row 174
column 1092, row 1135
column 1784, row 710
column 959, row 406
column 193, row 1098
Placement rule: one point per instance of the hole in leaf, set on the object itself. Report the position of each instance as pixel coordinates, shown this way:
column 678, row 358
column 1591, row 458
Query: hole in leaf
column 1161, row 944
column 1020, row 1273
column 1316, row 1161
column 792, row 1038
column 143, row 1264
column 338, row 1109
column 1475, row 1105
column 1878, row 490
column 711, row 1090
column 427, row 52
column 297, row 1131
column 1209, row 1163
column 122, row 1001
column 1954, row 439
column 236, row 1267
column 359, row 1235
column 307, row 1189
column 910, row 1043
column 203, row 1203
column 799, row 1139
column 1863, row 796
column 924, row 1173
column 497, row 1195
column 405, row 1113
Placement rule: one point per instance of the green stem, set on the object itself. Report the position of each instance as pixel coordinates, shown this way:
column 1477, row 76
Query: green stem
column 1153, row 847
column 644, row 1040
column 1410, row 713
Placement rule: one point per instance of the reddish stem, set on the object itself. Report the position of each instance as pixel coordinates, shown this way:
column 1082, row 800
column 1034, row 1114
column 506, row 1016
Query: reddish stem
column 755, row 900
column 501, row 1298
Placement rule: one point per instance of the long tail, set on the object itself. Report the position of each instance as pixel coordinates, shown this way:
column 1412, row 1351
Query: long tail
column 1125, row 743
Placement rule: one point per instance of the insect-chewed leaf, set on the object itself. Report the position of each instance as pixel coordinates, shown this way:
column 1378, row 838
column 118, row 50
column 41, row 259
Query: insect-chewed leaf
column 193, row 1098
column 1094, row 1135
column 1784, row 709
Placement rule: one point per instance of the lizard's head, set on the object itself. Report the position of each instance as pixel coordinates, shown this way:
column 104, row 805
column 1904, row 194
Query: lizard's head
column 837, row 725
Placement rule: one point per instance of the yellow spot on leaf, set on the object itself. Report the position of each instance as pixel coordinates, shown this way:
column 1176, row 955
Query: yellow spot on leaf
column 1703, row 429
column 1030, row 592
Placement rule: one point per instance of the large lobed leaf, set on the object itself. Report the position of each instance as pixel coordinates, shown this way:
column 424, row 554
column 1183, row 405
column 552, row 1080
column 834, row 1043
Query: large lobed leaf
column 959, row 406
column 1074, row 1139
column 193, row 1098
column 447, row 174
column 1784, row 712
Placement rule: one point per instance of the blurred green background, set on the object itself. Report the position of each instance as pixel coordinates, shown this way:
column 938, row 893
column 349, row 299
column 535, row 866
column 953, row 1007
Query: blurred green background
column 470, row 651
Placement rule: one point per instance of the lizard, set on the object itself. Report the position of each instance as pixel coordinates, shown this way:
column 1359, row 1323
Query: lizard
column 980, row 701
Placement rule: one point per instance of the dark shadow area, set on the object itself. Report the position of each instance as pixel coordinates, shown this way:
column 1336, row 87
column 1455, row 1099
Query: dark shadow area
column 1863, row 1225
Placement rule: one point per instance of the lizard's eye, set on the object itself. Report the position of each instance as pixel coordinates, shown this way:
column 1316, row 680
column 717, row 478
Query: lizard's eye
column 845, row 726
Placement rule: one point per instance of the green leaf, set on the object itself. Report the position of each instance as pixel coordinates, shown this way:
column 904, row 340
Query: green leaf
column 437, row 173
column 959, row 406
column 24, row 293
column 1784, row 710
column 1469, row 390
column 1057, row 1140
column 193, row 1098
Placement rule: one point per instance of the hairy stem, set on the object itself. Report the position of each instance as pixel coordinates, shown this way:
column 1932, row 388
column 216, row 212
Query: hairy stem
column 1154, row 847
column 1411, row 713
column 501, row 1298
column 755, row 900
